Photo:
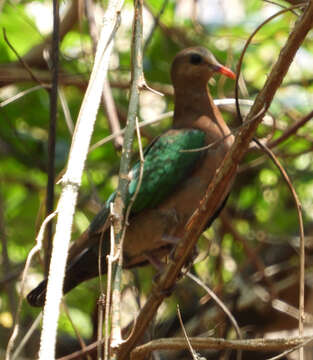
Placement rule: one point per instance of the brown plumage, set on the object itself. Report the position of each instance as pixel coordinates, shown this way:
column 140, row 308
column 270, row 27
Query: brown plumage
column 175, row 178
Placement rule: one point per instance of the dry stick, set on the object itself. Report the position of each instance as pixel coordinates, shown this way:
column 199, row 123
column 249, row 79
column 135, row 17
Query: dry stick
column 14, row 73
column 32, row 252
column 104, row 300
column 302, row 247
column 20, row 95
column 291, row 130
column 53, row 93
column 200, row 343
column 71, row 182
column 122, row 189
column 220, row 182
column 192, row 351
column 218, row 302
column 66, row 111
column 111, row 258
column 291, row 311
column 101, row 307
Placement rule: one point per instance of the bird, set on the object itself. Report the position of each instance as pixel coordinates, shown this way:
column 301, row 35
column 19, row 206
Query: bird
column 178, row 168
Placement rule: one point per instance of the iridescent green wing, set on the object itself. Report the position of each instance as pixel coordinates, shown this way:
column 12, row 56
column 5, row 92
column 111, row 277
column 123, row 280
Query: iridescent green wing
column 168, row 161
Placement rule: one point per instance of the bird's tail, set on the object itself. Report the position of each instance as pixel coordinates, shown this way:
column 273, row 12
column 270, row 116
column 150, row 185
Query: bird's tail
column 37, row 296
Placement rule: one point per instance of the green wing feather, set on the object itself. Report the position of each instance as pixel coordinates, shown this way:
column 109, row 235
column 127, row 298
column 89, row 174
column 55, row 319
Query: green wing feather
column 166, row 165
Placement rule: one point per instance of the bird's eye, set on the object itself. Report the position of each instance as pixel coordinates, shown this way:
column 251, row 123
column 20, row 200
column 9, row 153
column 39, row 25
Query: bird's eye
column 195, row 59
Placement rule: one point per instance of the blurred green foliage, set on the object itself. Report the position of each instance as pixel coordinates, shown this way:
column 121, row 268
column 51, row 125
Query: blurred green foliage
column 260, row 203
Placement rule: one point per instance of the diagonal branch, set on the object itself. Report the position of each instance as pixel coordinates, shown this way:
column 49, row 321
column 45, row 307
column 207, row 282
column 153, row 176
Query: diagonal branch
column 221, row 181
column 201, row 343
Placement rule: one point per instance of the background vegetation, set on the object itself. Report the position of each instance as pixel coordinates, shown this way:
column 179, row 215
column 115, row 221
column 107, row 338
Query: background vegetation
column 250, row 255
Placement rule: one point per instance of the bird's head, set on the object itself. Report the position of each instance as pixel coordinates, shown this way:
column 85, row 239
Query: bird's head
column 195, row 66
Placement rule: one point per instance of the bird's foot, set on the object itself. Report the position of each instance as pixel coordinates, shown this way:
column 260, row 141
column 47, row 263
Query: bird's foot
column 154, row 261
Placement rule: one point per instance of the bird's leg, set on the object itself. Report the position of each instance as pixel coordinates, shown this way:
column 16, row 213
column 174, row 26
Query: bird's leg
column 171, row 240
column 159, row 266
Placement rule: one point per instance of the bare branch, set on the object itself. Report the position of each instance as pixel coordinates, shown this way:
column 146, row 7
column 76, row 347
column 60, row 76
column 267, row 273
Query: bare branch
column 122, row 189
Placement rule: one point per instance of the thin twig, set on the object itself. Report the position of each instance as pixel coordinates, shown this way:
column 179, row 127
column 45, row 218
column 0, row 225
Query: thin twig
column 155, row 25
column 301, row 230
column 218, row 102
column 111, row 258
column 79, row 337
column 20, row 95
column 300, row 346
column 291, row 130
column 192, row 351
column 201, row 343
column 66, row 111
column 222, row 306
column 240, row 61
column 31, row 254
column 103, row 300
column 101, row 307
column 27, row 336
column 21, row 60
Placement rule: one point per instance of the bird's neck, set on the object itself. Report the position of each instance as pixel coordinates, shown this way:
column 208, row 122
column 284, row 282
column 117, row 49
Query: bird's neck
column 192, row 106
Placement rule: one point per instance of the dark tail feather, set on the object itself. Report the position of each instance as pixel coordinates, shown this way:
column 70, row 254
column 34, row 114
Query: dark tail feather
column 38, row 295
column 82, row 268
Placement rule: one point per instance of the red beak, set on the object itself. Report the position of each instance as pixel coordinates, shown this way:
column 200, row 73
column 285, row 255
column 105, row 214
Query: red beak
column 225, row 71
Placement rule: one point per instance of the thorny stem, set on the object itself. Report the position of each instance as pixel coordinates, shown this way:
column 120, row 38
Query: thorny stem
column 122, row 190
